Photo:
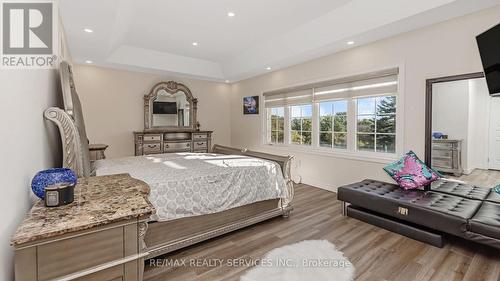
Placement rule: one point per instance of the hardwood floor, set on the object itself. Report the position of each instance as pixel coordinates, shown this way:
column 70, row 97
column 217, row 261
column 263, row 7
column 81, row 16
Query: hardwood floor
column 377, row 254
column 484, row 178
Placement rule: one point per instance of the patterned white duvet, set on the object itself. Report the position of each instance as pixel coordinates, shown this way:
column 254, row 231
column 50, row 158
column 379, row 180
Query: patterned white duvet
column 192, row 184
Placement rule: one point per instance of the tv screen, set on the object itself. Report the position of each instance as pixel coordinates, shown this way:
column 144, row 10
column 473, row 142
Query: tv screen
column 163, row 107
column 489, row 48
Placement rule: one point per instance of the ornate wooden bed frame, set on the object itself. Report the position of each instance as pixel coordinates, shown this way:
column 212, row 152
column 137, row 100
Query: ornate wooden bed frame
column 168, row 236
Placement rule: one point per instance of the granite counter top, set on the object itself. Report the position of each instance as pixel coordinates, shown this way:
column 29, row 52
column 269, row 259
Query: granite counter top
column 102, row 200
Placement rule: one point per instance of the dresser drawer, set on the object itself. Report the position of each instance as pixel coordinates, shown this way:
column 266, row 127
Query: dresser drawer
column 200, row 145
column 177, row 136
column 63, row 257
column 442, row 153
column 152, row 148
column 445, row 145
column 176, row 146
column 152, row 137
column 442, row 163
column 200, row 136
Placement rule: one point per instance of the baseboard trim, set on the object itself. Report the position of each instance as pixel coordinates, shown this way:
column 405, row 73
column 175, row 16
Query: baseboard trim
column 320, row 184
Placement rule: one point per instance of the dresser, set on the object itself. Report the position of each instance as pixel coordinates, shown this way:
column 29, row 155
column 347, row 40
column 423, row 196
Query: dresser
column 168, row 141
column 446, row 156
column 170, row 122
column 99, row 237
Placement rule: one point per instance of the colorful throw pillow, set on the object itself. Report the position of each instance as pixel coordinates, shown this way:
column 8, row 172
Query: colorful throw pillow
column 410, row 172
column 497, row 189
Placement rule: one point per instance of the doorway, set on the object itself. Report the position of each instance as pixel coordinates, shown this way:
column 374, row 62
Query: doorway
column 494, row 135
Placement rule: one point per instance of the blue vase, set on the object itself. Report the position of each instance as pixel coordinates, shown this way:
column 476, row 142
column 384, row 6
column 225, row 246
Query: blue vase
column 49, row 177
column 437, row 135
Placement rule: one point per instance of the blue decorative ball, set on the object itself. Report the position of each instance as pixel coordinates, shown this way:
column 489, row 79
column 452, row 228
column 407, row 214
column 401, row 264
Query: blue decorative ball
column 49, row 177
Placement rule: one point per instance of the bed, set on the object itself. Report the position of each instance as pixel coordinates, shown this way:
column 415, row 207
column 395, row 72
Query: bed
column 235, row 187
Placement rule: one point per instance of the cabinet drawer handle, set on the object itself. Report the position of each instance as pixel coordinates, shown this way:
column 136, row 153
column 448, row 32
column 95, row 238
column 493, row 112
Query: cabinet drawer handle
column 167, row 146
column 151, row 145
column 200, row 143
column 188, row 144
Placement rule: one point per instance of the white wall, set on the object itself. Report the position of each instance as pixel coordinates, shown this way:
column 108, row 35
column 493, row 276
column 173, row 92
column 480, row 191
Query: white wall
column 29, row 144
column 113, row 105
column 479, row 119
column 443, row 49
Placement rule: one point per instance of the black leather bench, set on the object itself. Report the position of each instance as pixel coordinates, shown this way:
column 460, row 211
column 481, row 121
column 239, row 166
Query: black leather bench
column 459, row 209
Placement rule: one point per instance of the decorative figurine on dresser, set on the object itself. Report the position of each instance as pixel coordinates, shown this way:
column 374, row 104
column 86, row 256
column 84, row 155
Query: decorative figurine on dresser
column 170, row 123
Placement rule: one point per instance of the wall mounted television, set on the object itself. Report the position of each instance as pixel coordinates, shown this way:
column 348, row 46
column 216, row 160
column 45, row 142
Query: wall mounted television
column 489, row 48
column 164, row 107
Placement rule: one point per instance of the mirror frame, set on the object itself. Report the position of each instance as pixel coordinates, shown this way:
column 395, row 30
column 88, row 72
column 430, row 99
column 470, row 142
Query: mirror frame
column 428, row 106
column 170, row 87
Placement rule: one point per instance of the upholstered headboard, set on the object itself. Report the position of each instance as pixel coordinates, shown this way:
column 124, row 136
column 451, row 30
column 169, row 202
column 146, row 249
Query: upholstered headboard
column 71, row 125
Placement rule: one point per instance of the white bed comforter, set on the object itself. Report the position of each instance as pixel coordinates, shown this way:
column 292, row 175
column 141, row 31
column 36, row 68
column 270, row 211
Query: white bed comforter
column 191, row 184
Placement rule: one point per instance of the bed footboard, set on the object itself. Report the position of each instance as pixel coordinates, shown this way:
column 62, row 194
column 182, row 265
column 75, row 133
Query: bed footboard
column 284, row 161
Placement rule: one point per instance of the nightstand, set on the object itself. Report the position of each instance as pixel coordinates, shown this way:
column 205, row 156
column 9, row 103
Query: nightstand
column 100, row 236
column 97, row 151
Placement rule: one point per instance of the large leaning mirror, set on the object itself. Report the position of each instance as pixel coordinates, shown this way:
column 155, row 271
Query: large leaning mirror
column 170, row 105
column 462, row 122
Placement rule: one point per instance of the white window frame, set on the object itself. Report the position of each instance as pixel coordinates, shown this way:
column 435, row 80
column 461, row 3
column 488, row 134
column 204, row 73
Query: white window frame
column 375, row 133
column 318, row 131
column 351, row 152
column 269, row 123
column 289, row 130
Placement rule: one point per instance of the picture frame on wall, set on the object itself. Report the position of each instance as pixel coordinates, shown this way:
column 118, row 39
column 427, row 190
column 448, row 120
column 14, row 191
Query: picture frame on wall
column 251, row 105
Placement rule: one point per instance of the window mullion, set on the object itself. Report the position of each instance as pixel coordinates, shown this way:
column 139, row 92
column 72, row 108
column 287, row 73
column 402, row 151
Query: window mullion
column 315, row 125
column 286, row 127
column 333, row 126
column 351, row 125
column 375, row 130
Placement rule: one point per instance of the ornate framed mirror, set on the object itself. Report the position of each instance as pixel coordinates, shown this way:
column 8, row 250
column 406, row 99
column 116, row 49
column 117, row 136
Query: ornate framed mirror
column 170, row 106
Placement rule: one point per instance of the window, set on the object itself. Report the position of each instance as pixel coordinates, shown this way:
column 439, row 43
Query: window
column 349, row 116
column 376, row 124
column 276, row 125
column 333, row 124
column 301, row 124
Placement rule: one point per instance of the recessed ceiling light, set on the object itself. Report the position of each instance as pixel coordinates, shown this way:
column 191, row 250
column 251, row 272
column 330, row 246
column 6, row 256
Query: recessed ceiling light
column 231, row 14
column 195, row 43
column 350, row 43
column 88, row 61
column 227, row 81
column 88, row 30
column 268, row 68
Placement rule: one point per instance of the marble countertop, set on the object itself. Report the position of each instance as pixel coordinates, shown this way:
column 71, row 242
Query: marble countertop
column 102, row 200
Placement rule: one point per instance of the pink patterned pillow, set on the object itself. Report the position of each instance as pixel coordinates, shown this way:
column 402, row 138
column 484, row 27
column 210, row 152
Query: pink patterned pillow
column 410, row 172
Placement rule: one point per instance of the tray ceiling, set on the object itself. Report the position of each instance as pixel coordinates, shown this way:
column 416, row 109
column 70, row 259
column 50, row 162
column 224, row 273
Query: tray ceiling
column 160, row 35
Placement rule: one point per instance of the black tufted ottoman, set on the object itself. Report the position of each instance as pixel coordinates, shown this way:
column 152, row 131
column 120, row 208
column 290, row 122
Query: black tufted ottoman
column 455, row 208
column 484, row 227
column 460, row 189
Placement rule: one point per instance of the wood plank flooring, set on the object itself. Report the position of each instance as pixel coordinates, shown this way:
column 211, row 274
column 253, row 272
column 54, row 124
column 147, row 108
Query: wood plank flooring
column 484, row 178
column 377, row 254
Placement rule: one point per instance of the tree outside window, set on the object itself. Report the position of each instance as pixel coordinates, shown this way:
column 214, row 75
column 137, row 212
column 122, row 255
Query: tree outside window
column 376, row 124
column 276, row 125
column 333, row 124
column 301, row 124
